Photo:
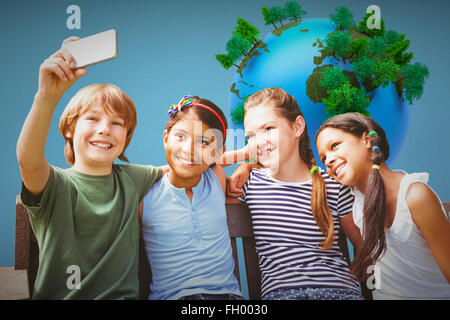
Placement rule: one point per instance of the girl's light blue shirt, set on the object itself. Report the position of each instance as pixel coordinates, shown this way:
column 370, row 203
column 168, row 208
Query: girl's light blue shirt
column 188, row 244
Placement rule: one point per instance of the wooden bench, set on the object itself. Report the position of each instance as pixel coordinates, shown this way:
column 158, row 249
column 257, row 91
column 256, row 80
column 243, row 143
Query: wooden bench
column 239, row 225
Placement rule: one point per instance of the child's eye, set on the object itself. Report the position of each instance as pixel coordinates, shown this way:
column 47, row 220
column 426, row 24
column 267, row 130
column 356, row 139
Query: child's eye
column 118, row 123
column 203, row 142
column 334, row 145
column 91, row 118
column 250, row 136
column 269, row 128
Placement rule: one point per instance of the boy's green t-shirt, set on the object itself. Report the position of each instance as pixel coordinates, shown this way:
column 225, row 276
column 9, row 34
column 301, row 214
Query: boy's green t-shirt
column 87, row 230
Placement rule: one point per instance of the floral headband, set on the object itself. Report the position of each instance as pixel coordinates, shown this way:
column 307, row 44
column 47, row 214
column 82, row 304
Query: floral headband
column 186, row 101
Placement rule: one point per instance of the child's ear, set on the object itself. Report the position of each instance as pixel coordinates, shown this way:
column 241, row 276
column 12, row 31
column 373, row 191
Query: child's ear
column 165, row 137
column 219, row 152
column 216, row 152
column 299, row 125
column 366, row 141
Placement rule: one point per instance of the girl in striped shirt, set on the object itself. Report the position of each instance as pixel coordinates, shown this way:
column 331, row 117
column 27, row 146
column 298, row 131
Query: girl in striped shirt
column 297, row 209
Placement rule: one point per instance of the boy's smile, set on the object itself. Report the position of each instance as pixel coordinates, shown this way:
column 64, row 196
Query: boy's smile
column 102, row 145
column 98, row 139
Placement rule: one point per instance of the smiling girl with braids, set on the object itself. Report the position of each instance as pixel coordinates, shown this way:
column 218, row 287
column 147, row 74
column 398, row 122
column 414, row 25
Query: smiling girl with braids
column 297, row 209
column 405, row 229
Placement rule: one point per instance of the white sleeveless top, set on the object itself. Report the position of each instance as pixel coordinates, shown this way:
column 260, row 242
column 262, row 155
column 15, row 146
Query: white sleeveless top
column 407, row 268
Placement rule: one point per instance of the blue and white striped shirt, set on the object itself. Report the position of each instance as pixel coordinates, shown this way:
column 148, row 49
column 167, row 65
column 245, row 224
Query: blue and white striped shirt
column 288, row 238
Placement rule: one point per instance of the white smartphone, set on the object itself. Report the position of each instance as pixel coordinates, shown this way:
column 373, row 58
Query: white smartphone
column 94, row 49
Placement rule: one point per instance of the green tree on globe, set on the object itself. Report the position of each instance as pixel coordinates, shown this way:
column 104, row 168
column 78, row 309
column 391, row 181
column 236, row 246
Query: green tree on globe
column 331, row 66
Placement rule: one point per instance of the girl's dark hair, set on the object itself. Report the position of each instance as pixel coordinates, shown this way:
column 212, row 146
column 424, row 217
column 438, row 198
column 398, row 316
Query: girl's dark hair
column 287, row 107
column 374, row 239
column 206, row 116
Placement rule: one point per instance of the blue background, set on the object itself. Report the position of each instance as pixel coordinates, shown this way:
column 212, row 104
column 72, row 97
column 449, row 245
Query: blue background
column 166, row 50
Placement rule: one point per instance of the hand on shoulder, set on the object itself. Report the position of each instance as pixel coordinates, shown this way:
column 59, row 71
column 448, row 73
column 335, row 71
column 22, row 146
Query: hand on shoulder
column 238, row 178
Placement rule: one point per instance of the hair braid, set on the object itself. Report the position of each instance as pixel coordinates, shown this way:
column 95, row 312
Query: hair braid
column 319, row 204
column 374, row 238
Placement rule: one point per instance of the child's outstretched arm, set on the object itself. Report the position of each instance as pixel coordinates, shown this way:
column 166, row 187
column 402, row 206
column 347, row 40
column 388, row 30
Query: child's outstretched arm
column 427, row 214
column 56, row 76
column 235, row 156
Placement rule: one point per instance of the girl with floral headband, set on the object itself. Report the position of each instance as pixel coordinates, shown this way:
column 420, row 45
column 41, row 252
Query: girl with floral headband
column 183, row 217
column 405, row 229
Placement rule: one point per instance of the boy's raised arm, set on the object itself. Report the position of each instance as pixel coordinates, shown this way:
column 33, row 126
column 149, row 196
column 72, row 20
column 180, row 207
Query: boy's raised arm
column 56, row 76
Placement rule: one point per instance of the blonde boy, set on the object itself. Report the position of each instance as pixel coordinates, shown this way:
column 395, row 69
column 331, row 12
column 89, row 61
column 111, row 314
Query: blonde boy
column 85, row 218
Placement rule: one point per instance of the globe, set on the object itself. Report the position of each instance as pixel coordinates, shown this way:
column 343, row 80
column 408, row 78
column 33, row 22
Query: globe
column 288, row 61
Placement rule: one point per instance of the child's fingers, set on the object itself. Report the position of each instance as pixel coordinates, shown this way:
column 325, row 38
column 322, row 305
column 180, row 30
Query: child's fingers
column 80, row 72
column 236, row 192
column 68, row 62
column 53, row 67
column 234, row 187
column 234, row 195
column 68, row 57
column 63, row 66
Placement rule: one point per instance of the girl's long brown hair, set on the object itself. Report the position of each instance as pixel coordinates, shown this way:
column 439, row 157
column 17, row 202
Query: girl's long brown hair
column 287, row 107
column 374, row 239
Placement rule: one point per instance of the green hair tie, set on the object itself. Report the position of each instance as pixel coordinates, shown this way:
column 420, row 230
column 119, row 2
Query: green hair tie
column 372, row 133
column 314, row 169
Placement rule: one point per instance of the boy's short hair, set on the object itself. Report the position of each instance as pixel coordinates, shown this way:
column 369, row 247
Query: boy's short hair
column 111, row 98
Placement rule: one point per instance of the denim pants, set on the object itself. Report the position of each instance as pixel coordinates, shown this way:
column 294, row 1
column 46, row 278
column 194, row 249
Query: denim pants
column 314, row 294
column 205, row 296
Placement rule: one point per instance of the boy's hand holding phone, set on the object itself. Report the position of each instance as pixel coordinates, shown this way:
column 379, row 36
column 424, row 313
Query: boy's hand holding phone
column 64, row 67
column 57, row 73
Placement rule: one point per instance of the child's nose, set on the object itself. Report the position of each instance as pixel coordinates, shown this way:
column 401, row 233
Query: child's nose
column 330, row 160
column 188, row 146
column 103, row 127
column 261, row 139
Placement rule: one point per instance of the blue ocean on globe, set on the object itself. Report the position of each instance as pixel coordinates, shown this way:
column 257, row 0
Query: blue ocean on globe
column 289, row 62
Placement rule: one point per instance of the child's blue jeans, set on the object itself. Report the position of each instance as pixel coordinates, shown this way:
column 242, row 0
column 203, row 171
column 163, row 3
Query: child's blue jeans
column 314, row 294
